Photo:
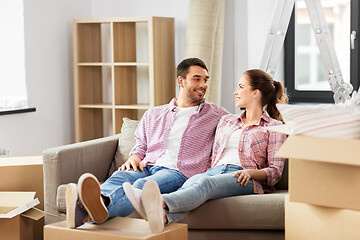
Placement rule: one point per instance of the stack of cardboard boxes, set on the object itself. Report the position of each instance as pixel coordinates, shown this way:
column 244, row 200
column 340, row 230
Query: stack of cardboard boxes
column 324, row 188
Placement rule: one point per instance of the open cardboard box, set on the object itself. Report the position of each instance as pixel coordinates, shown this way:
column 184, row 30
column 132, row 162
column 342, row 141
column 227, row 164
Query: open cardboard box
column 117, row 228
column 17, row 215
column 323, row 171
column 305, row 221
column 26, row 176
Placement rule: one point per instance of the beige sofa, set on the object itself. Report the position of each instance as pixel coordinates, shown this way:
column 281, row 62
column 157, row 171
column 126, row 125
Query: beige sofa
column 243, row 217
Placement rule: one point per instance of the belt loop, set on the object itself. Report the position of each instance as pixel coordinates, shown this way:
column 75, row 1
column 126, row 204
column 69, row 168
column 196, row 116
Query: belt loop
column 224, row 168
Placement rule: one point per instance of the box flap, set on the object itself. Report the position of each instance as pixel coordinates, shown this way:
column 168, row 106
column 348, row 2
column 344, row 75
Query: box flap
column 15, row 199
column 341, row 151
column 33, row 213
column 16, row 203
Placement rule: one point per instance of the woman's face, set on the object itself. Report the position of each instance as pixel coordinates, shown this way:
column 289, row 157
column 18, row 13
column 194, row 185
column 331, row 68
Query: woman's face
column 244, row 95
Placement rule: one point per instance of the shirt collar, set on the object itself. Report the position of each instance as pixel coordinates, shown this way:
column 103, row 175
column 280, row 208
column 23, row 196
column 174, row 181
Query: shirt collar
column 172, row 105
column 265, row 117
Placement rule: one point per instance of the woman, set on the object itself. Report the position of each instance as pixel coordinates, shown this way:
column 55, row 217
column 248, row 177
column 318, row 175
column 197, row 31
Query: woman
column 243, row 160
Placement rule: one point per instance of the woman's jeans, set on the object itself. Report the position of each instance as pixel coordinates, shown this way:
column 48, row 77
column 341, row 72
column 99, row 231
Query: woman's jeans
column 169, row 180
column 217, row 182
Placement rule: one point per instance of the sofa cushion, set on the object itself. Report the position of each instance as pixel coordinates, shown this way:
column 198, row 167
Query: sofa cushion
column 60, row 198
column 126, row 141
column 257, row 211
column 283, row 183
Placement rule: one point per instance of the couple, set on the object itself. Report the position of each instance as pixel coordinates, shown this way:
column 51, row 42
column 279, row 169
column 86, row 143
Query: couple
column 166, row 174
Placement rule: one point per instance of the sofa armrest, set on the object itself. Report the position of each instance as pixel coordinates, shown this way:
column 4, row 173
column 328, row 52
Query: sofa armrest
column 67, row 163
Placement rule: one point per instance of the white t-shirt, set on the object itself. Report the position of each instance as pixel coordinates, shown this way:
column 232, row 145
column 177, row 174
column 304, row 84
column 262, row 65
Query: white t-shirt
column 231, row 151
column 172, row 143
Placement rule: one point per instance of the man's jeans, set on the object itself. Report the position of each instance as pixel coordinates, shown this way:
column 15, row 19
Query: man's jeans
column 169, row 180
column 217, row 182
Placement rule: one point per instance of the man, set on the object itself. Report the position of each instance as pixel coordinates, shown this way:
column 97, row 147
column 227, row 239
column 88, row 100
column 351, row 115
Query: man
column 173, row 142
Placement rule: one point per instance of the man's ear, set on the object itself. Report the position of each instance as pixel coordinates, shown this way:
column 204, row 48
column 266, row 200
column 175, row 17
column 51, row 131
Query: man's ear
column 180, row 81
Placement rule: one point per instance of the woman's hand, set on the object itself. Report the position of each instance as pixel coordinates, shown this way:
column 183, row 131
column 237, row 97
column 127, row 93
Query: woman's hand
column 243, row 176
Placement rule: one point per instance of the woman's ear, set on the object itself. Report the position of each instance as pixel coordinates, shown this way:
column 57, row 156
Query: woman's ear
column 257, row 93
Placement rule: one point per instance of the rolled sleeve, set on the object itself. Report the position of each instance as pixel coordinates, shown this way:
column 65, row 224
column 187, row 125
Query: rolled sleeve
column 140, row 136
column 276, row 165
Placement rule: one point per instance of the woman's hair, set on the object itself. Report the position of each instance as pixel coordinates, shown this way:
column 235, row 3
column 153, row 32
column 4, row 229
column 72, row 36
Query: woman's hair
column 272, row 91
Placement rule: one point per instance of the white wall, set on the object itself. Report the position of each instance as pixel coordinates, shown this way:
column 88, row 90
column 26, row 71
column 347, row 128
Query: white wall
column 177, row 9
column 49, row 60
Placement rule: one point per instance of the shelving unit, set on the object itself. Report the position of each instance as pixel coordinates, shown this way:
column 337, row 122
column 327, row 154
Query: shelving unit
column 122, row 67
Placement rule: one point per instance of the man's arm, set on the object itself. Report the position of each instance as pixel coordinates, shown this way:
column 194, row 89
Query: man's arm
column 138, row 152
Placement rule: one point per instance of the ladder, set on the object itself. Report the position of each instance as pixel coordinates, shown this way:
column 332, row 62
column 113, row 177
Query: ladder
column 276, row 36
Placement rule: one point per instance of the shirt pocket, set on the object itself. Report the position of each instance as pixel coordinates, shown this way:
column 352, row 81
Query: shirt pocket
column 257, row 143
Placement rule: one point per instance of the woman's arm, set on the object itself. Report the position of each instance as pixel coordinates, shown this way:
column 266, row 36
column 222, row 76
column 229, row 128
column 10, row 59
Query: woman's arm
column 270, row 174
column 275, row 164
column 243, row 176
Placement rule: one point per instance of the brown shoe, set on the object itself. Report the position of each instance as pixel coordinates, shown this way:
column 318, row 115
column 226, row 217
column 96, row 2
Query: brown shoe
column 90, row 196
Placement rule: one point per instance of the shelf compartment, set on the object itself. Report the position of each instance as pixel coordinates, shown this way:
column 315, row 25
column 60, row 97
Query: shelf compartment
column 124, row 42
column 94, row 42
column 131, row 85
column 131, row 41
column 129, row 113
column 94, row 123
column 95, row 86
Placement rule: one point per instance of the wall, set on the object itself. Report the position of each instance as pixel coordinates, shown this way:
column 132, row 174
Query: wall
column 48, row 61
column 177, row 9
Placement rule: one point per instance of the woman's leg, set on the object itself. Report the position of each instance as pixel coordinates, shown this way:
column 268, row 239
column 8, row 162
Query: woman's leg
column 210, row 185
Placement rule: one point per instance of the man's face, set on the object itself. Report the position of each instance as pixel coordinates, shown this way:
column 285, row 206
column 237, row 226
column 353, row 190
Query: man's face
column 195, row 84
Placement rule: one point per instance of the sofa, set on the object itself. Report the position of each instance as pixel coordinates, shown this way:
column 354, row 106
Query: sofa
column 259, row 216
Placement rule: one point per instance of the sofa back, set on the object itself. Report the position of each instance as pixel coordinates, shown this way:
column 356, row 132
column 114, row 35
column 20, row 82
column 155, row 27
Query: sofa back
column 283, row 183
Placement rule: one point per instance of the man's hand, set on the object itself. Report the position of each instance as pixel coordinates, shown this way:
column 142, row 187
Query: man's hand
column 132, row 162
column 243, row 176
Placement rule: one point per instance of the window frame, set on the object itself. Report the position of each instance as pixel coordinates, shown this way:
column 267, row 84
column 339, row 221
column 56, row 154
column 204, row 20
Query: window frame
column 296, row 96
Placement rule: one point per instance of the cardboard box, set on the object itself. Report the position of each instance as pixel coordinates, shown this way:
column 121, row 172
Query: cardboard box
column 17, row 215
column 323, row 171
column 26, row 175
column 305, row 221
column 115, row 229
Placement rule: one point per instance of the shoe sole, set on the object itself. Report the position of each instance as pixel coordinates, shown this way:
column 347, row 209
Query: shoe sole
column 129, row 193
column 90, row 196
column 71, row 199
column 151, row 200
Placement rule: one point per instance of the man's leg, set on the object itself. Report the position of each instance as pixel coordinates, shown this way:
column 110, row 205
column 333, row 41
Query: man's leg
column 117, row 202
column 168, row 180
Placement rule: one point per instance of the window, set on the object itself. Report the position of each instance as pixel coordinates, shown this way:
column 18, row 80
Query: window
column 305, row 77
column 13, row 93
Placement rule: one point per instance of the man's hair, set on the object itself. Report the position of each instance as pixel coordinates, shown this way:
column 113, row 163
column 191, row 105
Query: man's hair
column 183, row 67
